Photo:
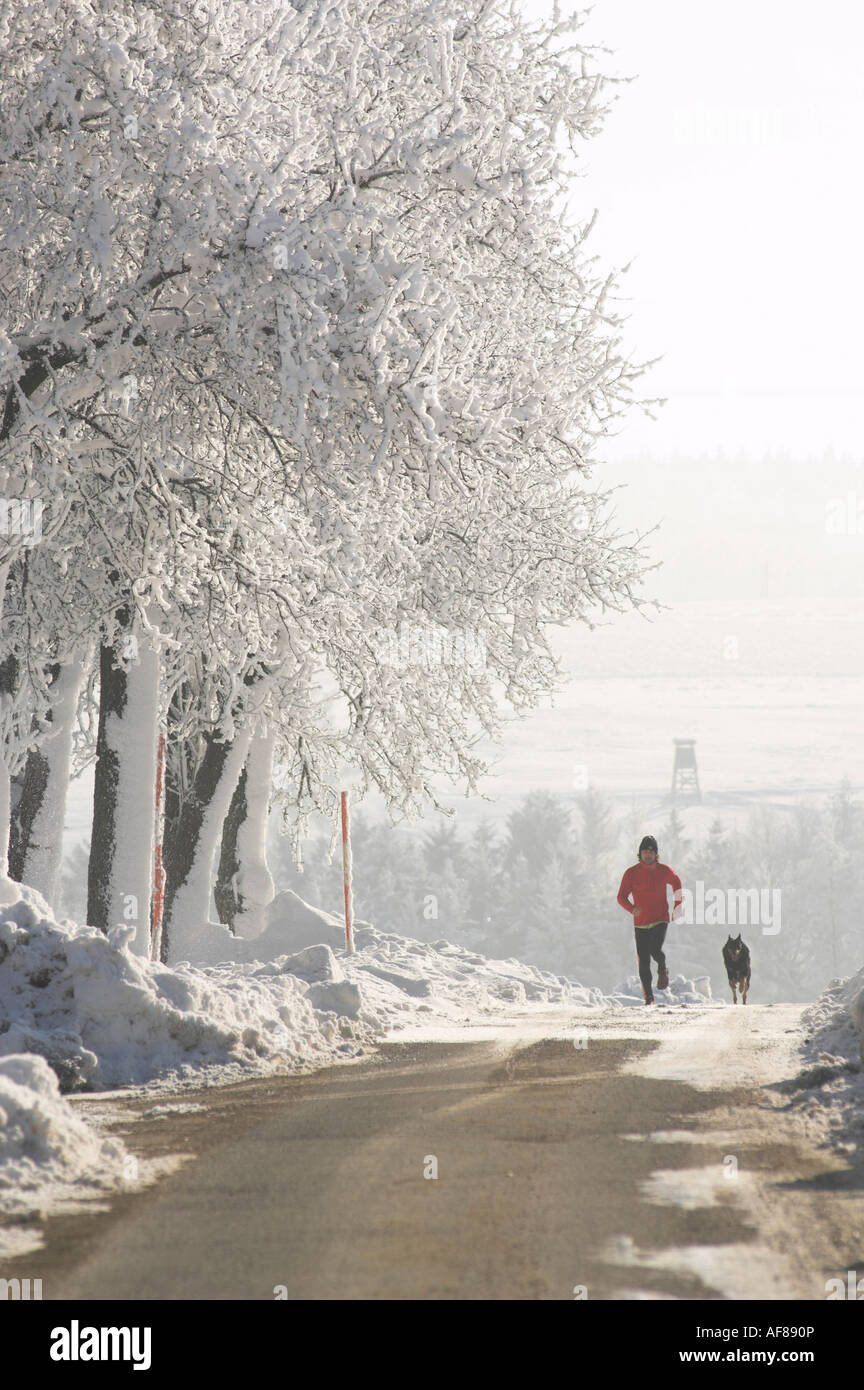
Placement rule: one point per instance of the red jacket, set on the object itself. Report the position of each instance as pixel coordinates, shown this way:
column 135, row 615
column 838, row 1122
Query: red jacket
column 647, row 885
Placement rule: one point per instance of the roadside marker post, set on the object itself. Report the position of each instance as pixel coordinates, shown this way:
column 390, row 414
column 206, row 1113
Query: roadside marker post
column 158, row 870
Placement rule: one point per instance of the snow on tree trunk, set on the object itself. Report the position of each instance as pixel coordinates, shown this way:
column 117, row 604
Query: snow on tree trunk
column 8, row 890
column 121, row 846
column 190, row 865
column 8, row 667
column 244, row 887
column 36, row 843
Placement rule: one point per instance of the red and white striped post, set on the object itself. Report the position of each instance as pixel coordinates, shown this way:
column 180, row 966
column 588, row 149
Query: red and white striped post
column 346, row 874
column 158, row 870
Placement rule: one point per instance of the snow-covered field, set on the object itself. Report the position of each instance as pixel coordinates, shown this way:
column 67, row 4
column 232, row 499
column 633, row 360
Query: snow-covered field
column 770, row 691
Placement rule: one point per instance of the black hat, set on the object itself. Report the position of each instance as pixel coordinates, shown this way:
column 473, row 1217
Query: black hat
column 648, row 842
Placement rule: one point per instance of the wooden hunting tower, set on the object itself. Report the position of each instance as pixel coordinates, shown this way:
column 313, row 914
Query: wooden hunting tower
column 685, row 778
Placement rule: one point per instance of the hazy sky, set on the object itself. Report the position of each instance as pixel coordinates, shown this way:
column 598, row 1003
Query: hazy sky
column 729, row 172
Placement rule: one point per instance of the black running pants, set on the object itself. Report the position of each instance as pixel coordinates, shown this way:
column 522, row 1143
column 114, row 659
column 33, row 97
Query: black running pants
column 649, row 942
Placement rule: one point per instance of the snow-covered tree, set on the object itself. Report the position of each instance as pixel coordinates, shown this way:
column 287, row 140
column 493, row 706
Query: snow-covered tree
column 300, row 347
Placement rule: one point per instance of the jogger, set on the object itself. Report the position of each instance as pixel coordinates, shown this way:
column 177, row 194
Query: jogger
column 647, row 883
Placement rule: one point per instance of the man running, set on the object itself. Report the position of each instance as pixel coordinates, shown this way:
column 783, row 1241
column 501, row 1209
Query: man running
column 645, row 883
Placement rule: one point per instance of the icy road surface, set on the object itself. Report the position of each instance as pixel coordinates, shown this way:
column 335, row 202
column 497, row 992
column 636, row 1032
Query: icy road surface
column 611, row 1154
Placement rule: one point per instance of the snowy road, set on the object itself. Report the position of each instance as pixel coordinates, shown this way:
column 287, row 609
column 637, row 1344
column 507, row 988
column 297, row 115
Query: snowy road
column 620, row 1153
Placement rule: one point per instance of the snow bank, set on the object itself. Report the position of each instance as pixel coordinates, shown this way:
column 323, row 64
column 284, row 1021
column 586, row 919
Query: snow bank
column 450, row 981
column 44, row 1146
column 387, row 971
column 290, row 925
column 679, row 991
column 104, row 1017
column 828, row 1092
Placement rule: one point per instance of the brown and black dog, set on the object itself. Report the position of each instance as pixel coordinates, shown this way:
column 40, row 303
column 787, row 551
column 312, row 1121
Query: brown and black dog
column 736, row 958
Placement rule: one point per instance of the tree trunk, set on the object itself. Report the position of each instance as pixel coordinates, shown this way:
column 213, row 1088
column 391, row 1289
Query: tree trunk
column 226, row 892
column 244, row 887
column 8, row 889
column 7, row 685
column 179, row 769
column 121, row 848
column 28, row 794
column 36, row 840
column 8, row 678
column 190, row 852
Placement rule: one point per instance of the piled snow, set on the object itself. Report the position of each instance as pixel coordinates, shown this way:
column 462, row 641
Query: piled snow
column 679, row 991
column 291, row 925
column 828, row 1092
column 44, row 1147
column 396, row 973
column 104, row 1017
column 293, row 999
column 388, row 974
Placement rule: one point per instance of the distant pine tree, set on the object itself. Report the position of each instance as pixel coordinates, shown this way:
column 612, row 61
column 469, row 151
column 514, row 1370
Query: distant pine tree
column 673, row 842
